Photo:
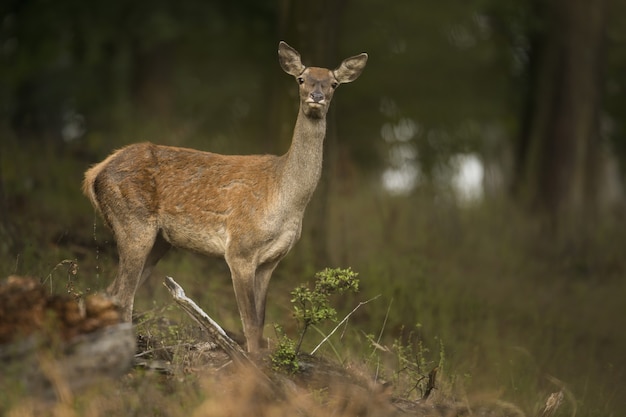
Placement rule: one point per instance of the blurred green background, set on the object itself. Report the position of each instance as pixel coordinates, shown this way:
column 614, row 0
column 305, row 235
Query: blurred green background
column 474, row 173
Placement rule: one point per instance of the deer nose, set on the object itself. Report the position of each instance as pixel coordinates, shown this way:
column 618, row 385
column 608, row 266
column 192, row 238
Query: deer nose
column 317, row 96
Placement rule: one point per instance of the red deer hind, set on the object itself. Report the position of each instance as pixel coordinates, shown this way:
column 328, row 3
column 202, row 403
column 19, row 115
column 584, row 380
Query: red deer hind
column 246, row 209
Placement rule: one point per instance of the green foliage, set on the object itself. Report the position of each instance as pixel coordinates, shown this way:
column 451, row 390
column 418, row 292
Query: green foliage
column 285, row 357
column 416, row 363
column 311, row 307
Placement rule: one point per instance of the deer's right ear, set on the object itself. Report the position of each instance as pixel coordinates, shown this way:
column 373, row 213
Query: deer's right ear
column 289, row 59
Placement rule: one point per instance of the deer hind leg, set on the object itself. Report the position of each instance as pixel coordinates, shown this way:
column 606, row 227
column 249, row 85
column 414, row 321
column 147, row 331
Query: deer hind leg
column 159, row 249
column 135, row 246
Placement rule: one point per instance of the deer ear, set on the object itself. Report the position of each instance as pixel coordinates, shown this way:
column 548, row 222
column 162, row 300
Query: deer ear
column 289, row 59
column 350, row 68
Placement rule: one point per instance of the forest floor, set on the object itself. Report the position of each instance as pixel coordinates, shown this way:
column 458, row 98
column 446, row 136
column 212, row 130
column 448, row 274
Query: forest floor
column 178, row 371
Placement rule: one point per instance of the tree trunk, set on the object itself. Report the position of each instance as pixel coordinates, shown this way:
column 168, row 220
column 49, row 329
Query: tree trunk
column 152, row 75
column 560, row 140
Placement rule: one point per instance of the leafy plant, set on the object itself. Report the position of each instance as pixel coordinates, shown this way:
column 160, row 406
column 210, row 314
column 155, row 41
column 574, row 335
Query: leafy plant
column 285, row 358
column 311, row 306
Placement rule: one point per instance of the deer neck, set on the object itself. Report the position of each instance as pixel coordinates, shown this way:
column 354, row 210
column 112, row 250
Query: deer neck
column 303, row 161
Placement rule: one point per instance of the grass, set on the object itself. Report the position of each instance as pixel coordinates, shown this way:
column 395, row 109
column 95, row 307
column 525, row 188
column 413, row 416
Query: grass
column 518, row 315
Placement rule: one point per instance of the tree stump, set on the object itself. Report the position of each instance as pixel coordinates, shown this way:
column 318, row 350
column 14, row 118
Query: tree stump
column 52, row 343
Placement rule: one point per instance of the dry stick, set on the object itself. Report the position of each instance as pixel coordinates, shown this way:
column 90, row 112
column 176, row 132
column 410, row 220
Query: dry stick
column 342, row 322
column 234, row 351
column 380, row 335
column 555, row 399
column 552, row 404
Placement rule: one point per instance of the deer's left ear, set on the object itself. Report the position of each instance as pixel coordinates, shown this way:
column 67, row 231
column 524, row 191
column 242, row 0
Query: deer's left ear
column 350, row 68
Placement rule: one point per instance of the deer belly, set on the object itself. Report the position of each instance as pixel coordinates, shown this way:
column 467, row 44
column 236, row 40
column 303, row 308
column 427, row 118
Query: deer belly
column 203, row 239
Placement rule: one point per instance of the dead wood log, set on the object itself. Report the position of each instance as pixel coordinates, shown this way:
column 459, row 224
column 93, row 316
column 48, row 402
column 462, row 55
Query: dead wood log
column 43, row 369
column 51, row 344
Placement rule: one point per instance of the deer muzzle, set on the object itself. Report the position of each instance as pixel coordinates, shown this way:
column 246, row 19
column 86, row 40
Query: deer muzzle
column 316, row 97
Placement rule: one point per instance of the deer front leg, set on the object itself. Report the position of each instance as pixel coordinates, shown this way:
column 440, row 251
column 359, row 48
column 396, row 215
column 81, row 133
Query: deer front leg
column 243, row 276
column 262, row 281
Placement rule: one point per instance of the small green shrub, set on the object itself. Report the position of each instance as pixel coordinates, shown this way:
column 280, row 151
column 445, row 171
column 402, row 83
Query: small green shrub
column 311, row 307
column 414, row 369
column 285, row 358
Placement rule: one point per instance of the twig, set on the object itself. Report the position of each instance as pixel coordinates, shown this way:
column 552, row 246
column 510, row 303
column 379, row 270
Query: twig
column 430, row 386
column 555, row 399
column 149, row 351
column 552, row 404
column 380, row 335
column 341, row 322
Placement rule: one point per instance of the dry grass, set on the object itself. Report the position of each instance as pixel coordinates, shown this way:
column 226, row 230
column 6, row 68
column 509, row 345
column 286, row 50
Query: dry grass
column 229, row 392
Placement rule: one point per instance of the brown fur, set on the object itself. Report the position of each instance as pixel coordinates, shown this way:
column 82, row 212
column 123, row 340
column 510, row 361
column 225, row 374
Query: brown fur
column 246, row 209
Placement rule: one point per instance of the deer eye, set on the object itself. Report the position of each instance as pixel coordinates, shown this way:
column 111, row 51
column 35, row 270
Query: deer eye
column 300, row 80
column 334, row 85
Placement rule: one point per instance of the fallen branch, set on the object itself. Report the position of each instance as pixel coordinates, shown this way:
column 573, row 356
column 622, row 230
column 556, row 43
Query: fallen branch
column 232, row 349
column 228, row 345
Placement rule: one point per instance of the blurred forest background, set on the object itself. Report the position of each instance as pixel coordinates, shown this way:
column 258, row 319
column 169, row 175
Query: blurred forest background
column 474, row 175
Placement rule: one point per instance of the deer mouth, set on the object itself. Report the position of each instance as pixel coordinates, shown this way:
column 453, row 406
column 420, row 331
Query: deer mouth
column 315, row 104
column 316, row 107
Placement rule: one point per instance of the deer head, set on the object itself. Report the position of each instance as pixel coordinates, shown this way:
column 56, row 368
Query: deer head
column 317, row 85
